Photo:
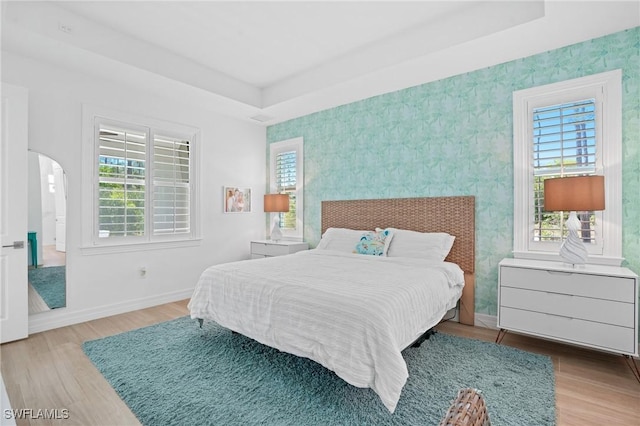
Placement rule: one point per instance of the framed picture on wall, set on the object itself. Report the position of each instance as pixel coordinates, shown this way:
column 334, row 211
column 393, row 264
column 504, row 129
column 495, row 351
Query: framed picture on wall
column 237, row 199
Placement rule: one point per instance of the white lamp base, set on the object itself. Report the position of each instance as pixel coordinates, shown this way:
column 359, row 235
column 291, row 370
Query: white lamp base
column 276, row 234
column 573, row 249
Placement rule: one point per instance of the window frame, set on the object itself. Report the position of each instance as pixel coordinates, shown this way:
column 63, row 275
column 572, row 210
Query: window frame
column 606, row 88
column 91, row 243
column 275, row 148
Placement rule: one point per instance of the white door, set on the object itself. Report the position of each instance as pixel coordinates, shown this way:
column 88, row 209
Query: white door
column 60, row 185
column 14, row 308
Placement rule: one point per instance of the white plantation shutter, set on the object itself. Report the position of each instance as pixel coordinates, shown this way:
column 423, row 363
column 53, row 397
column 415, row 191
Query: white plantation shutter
column 564, row 144
column 564, row 139
column 286, row 171
column 144, row 182
column 121, row 180
column 171, row 185
column 286, row 183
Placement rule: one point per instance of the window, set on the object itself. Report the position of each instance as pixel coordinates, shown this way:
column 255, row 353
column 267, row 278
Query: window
column 567, row 129
column 287, row 178
column 144, row 181
column 564, row 144
column 171, row 185
column 121, row 181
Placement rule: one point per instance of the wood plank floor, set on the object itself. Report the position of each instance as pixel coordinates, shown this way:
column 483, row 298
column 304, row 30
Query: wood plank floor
column 52, row 257
column 36, row 302
column 49, row 371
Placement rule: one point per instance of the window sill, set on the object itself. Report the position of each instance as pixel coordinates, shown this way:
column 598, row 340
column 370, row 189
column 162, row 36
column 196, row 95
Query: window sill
column 131, row 247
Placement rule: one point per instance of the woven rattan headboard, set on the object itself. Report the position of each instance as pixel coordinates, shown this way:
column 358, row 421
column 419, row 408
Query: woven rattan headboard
column 454, row 215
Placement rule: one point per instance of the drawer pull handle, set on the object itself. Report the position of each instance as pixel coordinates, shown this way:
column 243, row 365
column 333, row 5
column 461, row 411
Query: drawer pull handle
column 559, row 316
column 559, row 272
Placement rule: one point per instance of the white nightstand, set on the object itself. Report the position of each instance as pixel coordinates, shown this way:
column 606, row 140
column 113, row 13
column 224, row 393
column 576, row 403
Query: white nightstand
column 270, row 248
column 590, row 305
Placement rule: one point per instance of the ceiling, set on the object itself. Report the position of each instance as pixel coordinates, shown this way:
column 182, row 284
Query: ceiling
column 271, row 61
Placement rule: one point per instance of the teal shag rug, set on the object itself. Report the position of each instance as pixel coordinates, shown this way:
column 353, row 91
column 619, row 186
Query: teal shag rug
column 175, row 373
column 50, row 283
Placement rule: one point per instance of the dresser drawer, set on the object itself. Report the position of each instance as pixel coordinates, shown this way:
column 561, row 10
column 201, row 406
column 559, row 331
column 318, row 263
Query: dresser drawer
column 603, row 336
column 580, row 284
column 586, row 308
column 269, row 249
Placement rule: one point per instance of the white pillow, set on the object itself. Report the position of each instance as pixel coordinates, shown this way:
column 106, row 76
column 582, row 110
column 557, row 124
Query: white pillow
column 422, row 245
column 340, row 239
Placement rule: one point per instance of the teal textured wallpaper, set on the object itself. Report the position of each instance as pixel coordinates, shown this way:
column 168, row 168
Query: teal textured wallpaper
column 454, row 137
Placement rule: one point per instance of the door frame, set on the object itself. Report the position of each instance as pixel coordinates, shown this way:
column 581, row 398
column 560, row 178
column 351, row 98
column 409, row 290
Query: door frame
column 14, row 305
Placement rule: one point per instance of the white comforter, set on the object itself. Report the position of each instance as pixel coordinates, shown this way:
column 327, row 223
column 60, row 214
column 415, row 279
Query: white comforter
column 353, row 314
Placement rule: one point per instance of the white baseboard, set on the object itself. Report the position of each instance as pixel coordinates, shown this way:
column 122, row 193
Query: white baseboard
column 486, row 321
column 59, row 318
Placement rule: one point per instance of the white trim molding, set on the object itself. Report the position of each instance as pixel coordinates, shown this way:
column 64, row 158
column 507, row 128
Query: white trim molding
column 59, row 318
column 275, row 148
column 606, row 88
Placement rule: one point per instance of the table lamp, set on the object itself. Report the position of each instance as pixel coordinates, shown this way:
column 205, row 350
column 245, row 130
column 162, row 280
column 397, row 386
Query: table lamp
column 576, row 193
column 276, row 203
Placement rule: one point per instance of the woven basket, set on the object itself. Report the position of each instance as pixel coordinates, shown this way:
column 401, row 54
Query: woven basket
column 468, row 409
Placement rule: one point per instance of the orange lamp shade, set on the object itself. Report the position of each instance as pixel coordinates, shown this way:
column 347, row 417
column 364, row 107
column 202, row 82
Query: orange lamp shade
column 576, row 193
column 276, row 203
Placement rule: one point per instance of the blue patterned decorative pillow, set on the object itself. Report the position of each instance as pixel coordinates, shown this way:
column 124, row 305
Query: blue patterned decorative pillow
column 373, row 242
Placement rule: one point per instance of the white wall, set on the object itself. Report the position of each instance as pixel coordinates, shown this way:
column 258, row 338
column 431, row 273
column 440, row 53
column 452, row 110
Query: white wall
column 34, row 201
column 41, row 217
column 232, row 153
column 48, row 201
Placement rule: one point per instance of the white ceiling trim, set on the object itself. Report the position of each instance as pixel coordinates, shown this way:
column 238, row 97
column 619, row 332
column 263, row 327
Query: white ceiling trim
column 562, row 26
column 464, row 39
column 476, row 20
column 46, row 19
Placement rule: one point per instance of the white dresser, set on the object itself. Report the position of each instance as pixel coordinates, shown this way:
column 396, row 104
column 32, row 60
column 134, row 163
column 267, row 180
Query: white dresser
column 270, row 248
column 589, row 305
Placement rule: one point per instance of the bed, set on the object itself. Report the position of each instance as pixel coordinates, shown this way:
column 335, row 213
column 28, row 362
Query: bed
column 352, row 313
